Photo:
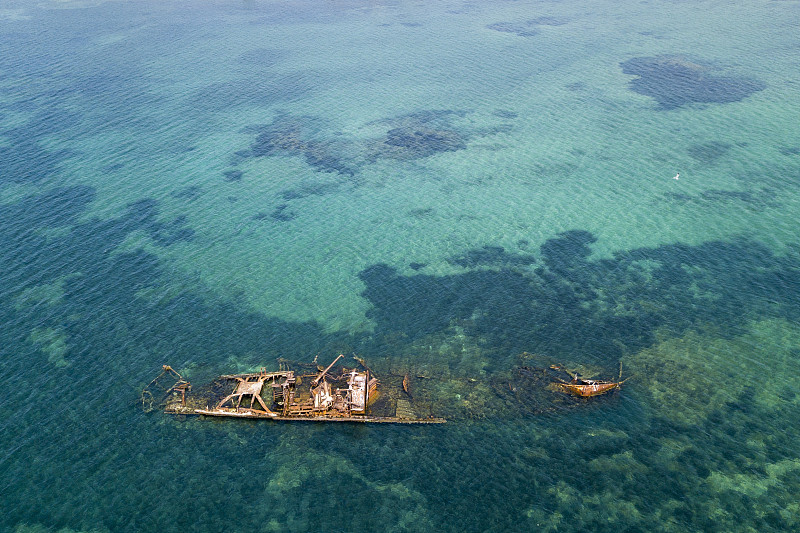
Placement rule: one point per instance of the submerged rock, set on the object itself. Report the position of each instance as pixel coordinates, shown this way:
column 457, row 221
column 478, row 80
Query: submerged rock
column 495, row 256
column 283, row 214
column 709, row 152
column 189, row 193
column 527, row 28
column 233, row 175
column 407, row 143
column 674, row 81
column 295, row 136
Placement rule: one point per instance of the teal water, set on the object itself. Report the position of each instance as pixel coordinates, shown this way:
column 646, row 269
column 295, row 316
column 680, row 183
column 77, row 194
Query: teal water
column 438, row 187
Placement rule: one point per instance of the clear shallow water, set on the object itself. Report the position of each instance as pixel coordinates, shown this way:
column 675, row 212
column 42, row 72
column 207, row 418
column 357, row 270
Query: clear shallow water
column 437, row 187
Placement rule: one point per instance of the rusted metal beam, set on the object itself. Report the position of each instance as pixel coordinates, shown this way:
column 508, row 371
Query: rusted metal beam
column 316, row 381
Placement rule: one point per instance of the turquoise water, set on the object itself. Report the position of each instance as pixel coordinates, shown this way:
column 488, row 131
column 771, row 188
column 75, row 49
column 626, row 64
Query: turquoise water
column 438, row 187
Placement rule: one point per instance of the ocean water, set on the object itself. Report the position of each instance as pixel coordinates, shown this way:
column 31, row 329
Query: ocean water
column 451, row 189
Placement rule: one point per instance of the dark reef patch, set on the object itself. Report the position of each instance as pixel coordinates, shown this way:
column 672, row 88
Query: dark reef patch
column 421, row 212
column 54, row 208
column 709, row 152
column 522, row 29
column 528, row 28
column 310, row 189
column 415, row 143
column 790, row 150
column 26, row 161
column 282, row 213
column 290, row 135
column 565, row 253
column 189, row 193
column 419, row 135
column 491, row 256
column 408, row 137
column 232, row 175
column 675, row 81
column 505, row 113
column 144, row 214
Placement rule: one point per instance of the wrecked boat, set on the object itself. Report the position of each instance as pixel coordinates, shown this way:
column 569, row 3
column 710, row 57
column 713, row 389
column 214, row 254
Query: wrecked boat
column 586, row 388
column 347, row 395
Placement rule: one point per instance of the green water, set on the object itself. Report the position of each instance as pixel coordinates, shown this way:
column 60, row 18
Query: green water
column 437, row 187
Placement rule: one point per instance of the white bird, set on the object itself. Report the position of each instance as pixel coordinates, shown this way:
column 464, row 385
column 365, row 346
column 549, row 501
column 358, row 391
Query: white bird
column 677, row 176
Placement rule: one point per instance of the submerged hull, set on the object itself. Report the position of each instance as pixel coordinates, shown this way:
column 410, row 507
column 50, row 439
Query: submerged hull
column 346, row 396
column 587, row 390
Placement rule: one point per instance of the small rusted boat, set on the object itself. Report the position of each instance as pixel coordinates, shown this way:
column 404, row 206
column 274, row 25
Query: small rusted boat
column 586, row 388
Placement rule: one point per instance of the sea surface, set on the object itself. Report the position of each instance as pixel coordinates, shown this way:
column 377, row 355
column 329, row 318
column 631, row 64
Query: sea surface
column 462, row 191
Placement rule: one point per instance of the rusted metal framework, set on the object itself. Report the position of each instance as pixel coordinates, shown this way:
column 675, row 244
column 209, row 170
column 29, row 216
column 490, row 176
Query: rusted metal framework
column 165, row 389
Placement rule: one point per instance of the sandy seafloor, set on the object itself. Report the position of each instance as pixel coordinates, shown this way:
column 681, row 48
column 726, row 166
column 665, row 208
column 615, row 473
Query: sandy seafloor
column 438, row 187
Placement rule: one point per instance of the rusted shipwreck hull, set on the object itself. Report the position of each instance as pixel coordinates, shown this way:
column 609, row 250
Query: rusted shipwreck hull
column 586, row 388
column 345, row 396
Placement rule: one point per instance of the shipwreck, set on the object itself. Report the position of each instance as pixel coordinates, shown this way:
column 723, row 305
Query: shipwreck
column 586, row 388
column 326, row 395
